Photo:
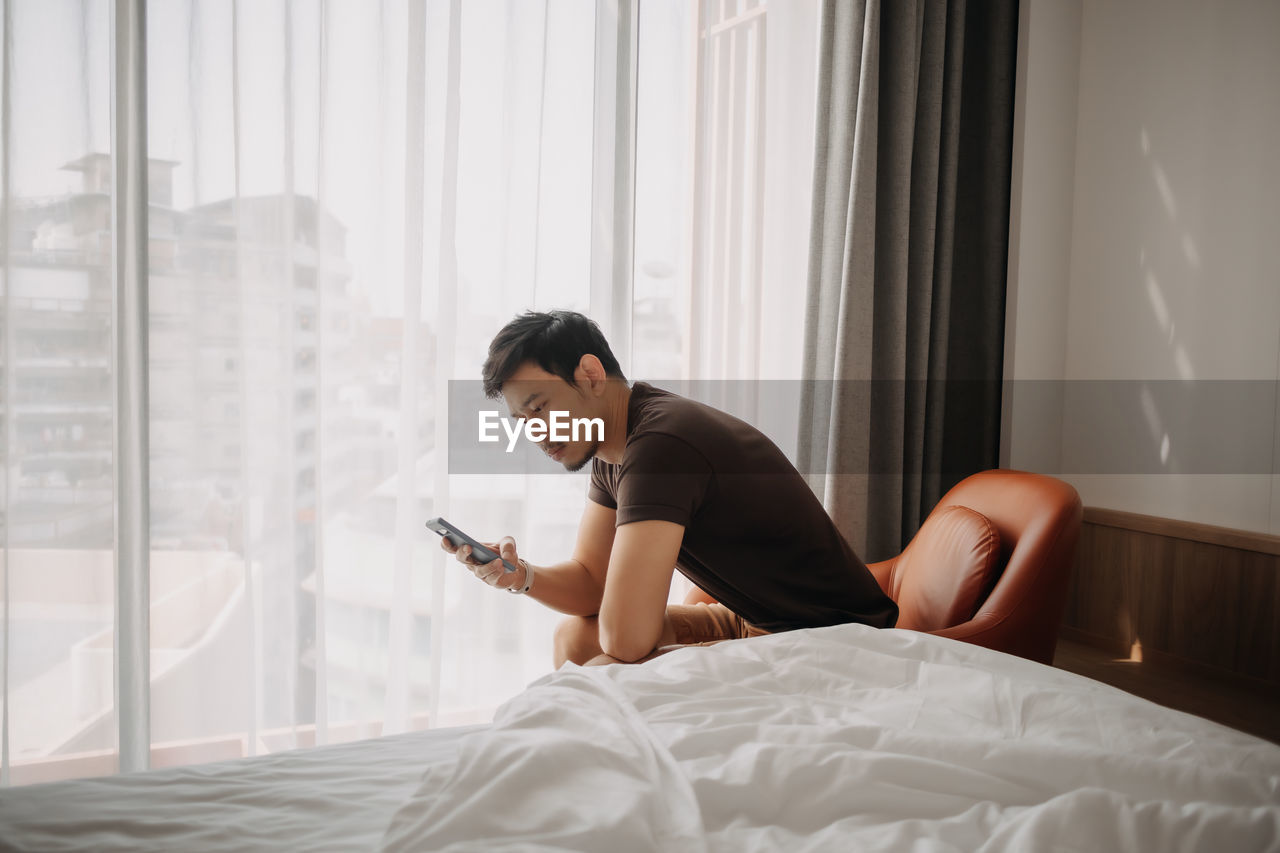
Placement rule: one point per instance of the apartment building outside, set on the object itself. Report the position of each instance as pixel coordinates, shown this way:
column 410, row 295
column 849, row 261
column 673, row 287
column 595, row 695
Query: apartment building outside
column 272, row 427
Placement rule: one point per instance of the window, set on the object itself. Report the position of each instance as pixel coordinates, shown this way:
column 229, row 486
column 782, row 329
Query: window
column 319, row 275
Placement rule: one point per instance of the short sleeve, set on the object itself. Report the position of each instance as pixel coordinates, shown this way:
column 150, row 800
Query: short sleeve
column 600, row 490
column 662, row 478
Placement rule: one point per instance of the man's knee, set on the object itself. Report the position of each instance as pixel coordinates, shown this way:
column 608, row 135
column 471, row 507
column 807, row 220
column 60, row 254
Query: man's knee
column 577, row 639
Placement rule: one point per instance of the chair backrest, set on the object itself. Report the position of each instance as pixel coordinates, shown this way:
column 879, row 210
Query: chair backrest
column 946, row 571
column 1038, row 521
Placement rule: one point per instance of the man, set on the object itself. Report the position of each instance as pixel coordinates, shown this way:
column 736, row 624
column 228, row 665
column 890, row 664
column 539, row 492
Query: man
column 674, row 484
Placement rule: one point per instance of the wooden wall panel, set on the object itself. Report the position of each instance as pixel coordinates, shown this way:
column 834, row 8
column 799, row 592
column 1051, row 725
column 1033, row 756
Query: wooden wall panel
column 1206, row 596
column 1258, row 637
column 1148, row 596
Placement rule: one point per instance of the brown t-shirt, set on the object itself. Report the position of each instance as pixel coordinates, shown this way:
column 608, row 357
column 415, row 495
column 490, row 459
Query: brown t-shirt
column 756, row 537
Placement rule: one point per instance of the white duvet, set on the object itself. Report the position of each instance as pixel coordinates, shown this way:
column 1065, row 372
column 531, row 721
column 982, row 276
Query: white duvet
column 843, row 738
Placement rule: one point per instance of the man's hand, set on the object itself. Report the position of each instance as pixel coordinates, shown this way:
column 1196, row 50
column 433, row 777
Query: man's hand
column 492, row 573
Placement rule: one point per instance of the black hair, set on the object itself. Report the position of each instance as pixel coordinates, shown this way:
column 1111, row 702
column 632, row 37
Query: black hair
column 555, row 341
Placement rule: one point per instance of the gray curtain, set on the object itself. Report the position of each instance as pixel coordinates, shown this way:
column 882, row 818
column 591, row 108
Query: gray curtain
column 904, row 328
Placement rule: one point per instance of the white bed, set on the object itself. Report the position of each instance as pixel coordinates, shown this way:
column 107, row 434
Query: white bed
column 328, row 798
column 835, row 738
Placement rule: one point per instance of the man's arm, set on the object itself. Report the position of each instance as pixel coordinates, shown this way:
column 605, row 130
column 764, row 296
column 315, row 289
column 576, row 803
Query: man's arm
column 576, row 586
column 634, row 607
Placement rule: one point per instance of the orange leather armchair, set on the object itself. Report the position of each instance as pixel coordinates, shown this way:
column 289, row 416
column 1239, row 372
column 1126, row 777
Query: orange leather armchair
column 1038, row 522
column 993, row 572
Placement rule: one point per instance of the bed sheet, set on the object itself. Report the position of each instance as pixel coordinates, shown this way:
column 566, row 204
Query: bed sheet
column 331, row 798
column 843, row 738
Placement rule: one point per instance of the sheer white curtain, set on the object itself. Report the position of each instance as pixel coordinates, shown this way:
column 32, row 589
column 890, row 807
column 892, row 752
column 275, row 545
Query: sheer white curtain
column 58, row 583
column 725, row 133
column 347, row 199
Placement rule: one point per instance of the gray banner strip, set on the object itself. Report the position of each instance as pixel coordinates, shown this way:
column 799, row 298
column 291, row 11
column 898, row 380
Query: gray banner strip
column 1225, row 427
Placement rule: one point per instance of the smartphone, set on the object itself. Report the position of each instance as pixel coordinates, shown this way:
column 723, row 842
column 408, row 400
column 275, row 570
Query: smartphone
column 457, row 538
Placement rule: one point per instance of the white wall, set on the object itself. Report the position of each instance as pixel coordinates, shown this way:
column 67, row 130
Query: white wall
column 1040, row 232
column 1145, row 246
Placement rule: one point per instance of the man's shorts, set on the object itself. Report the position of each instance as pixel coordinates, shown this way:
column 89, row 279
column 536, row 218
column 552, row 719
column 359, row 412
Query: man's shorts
column 705, row 624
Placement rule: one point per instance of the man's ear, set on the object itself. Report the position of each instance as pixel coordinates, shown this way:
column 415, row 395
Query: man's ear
column 590, row 375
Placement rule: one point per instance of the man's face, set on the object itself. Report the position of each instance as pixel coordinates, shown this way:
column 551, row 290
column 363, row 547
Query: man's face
column 533, row 393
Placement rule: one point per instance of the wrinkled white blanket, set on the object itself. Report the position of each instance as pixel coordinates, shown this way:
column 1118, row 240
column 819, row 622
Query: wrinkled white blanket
column 843, row 738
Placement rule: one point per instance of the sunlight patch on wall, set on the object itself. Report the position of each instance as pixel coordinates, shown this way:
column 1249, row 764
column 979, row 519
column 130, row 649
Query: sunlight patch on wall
column 1158, row 304
column 1189, row 249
